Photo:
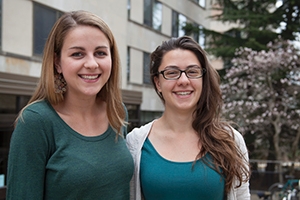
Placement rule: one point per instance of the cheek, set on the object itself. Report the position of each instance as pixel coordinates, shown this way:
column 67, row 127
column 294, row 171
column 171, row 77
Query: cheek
column 108, row 67
column 65, row 65
column 199, row 87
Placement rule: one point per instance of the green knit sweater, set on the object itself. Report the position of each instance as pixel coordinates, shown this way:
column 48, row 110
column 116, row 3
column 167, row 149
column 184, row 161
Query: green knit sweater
column 49, row 160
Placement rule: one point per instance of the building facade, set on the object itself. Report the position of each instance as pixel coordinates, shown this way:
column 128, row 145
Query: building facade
column 139, row 26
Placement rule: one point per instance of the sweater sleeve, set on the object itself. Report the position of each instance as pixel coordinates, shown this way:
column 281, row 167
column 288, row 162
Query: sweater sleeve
column 242, row 192
column 28, row 155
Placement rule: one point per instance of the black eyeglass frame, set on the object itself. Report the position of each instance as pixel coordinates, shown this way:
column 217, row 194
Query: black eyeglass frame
column 162, row 72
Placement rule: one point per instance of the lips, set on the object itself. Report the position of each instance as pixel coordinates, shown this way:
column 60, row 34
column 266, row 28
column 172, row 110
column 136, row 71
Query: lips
column 90, row 77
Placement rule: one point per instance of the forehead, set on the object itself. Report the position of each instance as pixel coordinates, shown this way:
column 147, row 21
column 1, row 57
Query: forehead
column 180, row 58
column 84, row 34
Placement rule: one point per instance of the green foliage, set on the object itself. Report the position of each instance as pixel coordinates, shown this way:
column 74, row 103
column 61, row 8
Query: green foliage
column 190, row 28
column 257, row 20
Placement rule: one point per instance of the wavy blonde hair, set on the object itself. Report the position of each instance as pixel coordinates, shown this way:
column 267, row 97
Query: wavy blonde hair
column 215, row 135
column 110, row 92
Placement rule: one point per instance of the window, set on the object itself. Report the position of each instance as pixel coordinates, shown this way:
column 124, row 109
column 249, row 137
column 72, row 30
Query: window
column 0, row 22
column 10, row 105
column 128, row 64
column 178, row 21
column 202, row 3
column 148, row 116
column 153, row 14
column 133, row 111
column 200, row 36
column 43, row 20
column 146, row 71
column 128, row 8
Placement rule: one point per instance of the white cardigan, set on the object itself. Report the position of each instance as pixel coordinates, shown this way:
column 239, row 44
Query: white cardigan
column 135, row 140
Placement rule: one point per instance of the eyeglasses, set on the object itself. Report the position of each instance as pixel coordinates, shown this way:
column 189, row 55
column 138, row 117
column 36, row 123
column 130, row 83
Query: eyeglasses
column 193, row 72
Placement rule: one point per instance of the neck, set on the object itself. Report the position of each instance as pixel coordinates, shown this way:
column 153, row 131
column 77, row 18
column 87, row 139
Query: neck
column 179, row 123
column 80, row 106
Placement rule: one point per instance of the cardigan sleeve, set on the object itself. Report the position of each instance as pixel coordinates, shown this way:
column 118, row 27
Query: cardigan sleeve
column 135, row 140
column 243, row 192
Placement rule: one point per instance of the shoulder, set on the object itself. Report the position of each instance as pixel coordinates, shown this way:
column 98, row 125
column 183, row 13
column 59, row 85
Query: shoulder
column 240, row 142
column 36, row 112
column 238, row 137
column 235, row 134
column 37, row 107
column 34, row 123
column 138, row 135
column 140, row 132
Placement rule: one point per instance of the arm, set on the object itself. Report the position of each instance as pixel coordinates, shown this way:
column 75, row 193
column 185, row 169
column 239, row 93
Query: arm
column 242, row 192
column 130, row 145
column 28, row 156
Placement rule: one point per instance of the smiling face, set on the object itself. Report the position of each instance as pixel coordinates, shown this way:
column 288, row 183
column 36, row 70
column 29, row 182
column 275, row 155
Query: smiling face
column 85, row 61
column 183, row 93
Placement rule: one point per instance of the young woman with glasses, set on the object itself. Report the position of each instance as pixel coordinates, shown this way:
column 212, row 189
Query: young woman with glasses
column 189, row 152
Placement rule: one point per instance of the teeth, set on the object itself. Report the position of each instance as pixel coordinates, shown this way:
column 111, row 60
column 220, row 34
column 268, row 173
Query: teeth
column 183, row 93
column 90, row 77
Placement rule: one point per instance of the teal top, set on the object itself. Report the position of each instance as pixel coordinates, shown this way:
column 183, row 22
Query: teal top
column 49, row 160
column 162, row 179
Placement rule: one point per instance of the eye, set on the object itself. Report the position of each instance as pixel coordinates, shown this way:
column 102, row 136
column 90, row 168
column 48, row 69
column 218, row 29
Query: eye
column 171, row 72
column 100, row 53
column 77, row 54
column 194, row 71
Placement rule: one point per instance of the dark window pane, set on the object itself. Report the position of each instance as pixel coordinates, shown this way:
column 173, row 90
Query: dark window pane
column 175, row 24
column 43, row 20
column 146, row 72
column 10, row 105
column 128, row 64
column 133, row 116
column 153, row 14
column 148, row 12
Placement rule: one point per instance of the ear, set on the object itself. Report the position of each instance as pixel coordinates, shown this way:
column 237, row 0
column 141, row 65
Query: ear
column 57, row 64
column 157, row 83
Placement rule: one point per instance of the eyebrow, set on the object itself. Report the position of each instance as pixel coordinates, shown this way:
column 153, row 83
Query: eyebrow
column 81, row 48
column 102, row 47
column 174, row 66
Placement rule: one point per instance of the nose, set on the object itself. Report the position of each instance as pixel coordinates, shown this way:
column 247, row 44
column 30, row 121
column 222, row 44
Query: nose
column 91, row 63
column 183, row 79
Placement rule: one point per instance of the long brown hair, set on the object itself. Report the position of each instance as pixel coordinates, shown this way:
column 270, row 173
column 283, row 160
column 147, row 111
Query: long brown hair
column 110, row 92
column 215, row 135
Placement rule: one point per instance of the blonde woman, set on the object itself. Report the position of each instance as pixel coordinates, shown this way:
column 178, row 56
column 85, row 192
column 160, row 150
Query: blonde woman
column 67, row 143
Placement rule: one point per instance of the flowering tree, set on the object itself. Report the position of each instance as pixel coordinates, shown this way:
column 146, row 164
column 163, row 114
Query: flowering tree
column 261, row 94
